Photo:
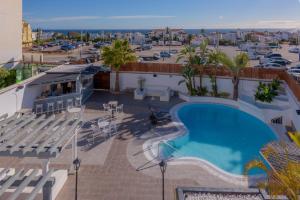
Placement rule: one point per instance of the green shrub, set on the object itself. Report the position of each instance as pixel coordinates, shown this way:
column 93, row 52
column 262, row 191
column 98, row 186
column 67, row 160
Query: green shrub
column 7, row 77
column 266, row 92
column 202, row 91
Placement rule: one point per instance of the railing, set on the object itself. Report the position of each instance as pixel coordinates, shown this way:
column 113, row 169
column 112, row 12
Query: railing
column 251, row 73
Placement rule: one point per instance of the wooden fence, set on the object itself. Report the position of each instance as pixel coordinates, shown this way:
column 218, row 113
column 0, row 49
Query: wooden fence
column 253, row 73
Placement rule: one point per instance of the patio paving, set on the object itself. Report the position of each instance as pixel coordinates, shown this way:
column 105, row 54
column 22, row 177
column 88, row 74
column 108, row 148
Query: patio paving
column 118, row 178
column 108, row 169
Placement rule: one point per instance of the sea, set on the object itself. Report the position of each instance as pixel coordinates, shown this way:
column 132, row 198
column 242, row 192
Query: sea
column 189, row 31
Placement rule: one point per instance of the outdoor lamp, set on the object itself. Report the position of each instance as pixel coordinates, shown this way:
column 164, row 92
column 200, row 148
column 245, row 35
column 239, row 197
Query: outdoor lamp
column 76, row 164
column 163, row 166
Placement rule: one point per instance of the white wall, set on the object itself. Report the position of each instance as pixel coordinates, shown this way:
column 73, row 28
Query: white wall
column 130, row 81
column 10, row 32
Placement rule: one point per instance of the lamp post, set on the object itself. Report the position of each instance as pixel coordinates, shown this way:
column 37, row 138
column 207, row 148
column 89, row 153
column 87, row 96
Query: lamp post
column 163, row 168
column 76, row 164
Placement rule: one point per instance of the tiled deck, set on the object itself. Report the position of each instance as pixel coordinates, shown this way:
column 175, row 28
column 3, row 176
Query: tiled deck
column 108, row 169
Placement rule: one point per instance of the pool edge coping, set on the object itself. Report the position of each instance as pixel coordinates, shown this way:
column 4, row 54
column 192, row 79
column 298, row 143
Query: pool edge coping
column 182, row 130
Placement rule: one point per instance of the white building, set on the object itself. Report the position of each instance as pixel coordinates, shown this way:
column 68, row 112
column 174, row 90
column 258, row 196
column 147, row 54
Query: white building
column 138, row 38
column 11, row 32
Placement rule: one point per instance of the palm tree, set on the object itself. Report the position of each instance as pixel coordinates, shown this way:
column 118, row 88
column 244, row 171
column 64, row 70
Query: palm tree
column 215, row 60
column 295, row 137
column 116, row 55
column 188, row 74
column 235, row 66
column 202, row 59
column 189, row 53
column 285, row 181
column 198, row 61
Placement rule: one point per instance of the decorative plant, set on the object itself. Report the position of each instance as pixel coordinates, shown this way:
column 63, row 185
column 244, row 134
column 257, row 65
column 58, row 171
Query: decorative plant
column 264, row 93
column 267, row 92
column 275, row 84
column 295, row 137
column 283, row 181
column 202, row 91
column 116, row 55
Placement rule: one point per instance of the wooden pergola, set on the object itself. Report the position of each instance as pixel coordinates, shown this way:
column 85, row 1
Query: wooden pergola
column 43, row 137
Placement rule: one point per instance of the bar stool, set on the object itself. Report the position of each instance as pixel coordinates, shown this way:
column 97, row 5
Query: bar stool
column 69, row 103
column 39, row 109
column 59, row 105
column 78, row 102
column 50, row 107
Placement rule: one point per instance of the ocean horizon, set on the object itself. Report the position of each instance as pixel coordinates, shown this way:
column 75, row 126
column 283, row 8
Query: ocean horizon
column 189, row 31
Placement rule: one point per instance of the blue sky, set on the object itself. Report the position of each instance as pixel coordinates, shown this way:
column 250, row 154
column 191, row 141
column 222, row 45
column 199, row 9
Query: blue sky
column 143, row 14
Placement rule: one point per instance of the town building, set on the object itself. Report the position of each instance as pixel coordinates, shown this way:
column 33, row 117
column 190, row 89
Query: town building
column 27, row 38
column 11, row 33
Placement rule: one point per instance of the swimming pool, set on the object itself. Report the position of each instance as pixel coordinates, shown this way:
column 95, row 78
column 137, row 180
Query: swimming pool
column 224, row 136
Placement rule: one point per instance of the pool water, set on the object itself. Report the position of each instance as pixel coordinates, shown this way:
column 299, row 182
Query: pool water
column 224, row 136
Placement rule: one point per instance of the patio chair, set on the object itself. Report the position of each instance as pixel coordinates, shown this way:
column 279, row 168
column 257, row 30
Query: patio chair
column 77, row 102
column 113, row 126
column 50, row 107
column 104, row 128
column 70, row 103
column 119, row 109
column 157, row 116
column 106, row 107
column 39, row 109
column 59, row 105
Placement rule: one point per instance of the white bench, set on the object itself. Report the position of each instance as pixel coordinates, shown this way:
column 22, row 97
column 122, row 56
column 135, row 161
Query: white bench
column 163, row 92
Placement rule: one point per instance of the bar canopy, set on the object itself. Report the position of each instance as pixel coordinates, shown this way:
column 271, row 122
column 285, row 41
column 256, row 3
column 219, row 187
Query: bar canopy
column 66, row 73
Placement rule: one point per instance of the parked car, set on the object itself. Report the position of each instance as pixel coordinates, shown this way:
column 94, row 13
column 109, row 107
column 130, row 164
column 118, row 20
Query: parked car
column 294, row 72
column 273, row 66
column 173, row 51
column 37, row 48
column 278, row 60
column 67, row 47
column 145, row 47
column 98, row 45
column 273, row 55
column 294, row 50
column 164, row 54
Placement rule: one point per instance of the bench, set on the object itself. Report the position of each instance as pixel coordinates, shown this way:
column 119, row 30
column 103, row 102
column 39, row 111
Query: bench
column 162, row 92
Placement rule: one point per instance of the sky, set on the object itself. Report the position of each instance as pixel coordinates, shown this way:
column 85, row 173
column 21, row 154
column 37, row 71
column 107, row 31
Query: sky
column 148, row 14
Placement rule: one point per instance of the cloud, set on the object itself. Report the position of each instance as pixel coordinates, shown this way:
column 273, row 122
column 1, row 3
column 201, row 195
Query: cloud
column 75, row 18
column 279, row 23
column 68, row 18
column 221, row 17
column 141, row 17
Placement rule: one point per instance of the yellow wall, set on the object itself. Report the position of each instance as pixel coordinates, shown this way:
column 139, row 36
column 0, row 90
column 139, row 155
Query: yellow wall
column 26, row 35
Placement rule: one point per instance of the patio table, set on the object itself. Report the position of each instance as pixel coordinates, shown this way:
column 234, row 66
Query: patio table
column 113, row 104
column 74, row 110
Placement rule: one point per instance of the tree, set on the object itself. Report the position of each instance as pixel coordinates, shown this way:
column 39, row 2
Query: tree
column 295, row 137
column 189, row 53
column 87, row 37
column 215, row 60
column 285, row 181
column 196, row 60
column 190, row 38
column 188, row 74
column 202, row 59
column 235, row 66
column 116, row 55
